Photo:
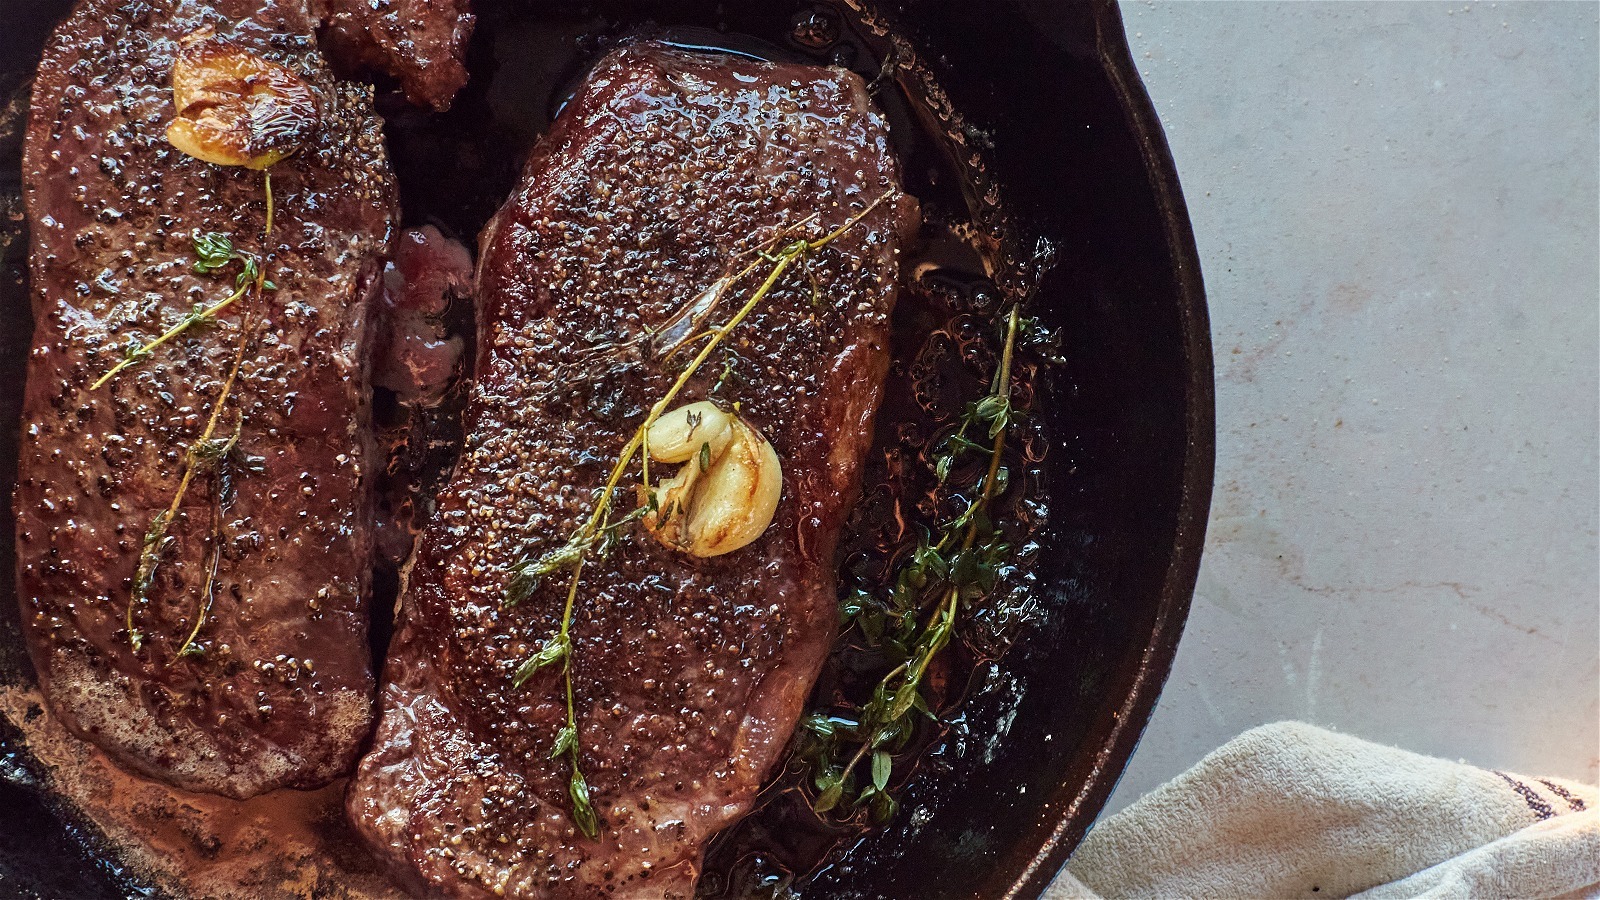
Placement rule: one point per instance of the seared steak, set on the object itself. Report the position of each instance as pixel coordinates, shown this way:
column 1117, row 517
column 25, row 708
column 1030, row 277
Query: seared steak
column 423, row 43
column 660, row 177
column 276, row 688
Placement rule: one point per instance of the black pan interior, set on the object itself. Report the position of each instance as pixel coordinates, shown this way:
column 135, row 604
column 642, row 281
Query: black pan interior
column 1052, row 98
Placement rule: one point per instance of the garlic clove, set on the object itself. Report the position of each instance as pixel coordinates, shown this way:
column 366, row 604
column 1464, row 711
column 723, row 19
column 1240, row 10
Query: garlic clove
column 235, row 108
column 728, row 489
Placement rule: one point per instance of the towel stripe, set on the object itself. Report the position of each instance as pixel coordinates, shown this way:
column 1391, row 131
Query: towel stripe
column 1576, row 803
column 1541, row 809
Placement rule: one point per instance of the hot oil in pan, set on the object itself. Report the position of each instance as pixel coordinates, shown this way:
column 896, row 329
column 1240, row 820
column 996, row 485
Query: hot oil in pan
column 454, row 170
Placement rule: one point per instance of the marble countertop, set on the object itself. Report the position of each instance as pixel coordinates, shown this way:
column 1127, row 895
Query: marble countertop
column 1396, row 209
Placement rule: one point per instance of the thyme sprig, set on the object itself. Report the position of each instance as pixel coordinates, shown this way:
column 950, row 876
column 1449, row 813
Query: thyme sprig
column 600, row 531
column 205, row 454
column 213, row 251
column 208, row 453
column 957, row 564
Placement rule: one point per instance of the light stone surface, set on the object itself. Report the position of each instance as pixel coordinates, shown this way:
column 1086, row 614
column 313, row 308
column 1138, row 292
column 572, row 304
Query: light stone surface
column 1396, row 210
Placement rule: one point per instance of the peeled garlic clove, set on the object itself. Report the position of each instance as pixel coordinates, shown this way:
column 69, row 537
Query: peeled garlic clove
column 678, row 436
column 727, row 491
column 736, row 500
column 235, row 108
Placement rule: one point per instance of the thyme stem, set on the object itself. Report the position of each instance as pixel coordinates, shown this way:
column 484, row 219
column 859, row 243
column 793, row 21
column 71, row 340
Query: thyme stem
column 266, row 180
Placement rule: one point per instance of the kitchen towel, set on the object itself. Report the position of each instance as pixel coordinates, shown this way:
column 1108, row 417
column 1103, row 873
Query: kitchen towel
column 1291, row 810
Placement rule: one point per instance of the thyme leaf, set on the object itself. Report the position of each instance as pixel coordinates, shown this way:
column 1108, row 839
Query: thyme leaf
column 556, row 649
column 154, row 546
column 213, row 250
column 214, row 454
column 566, row 741
column 583, row 814
column 884, row 807
column 830, row 796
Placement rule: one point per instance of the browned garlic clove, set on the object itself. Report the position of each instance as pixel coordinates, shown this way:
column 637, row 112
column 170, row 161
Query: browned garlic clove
column 727, row 492
column 235, row 108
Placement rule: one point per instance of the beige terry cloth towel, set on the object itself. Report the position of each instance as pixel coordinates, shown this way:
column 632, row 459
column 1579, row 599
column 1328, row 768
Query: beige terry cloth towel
column 1291, row 810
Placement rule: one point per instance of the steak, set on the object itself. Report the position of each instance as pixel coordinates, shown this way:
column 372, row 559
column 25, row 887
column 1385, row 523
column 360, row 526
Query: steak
column 660, row 178
column 274, row 536
column 422, row 43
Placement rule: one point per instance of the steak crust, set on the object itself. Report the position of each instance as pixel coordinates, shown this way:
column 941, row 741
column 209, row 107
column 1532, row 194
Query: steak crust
column 657, row 180
column 280, row 692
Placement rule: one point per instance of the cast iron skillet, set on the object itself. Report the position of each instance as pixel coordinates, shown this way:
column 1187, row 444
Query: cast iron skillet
column 1077, row 146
